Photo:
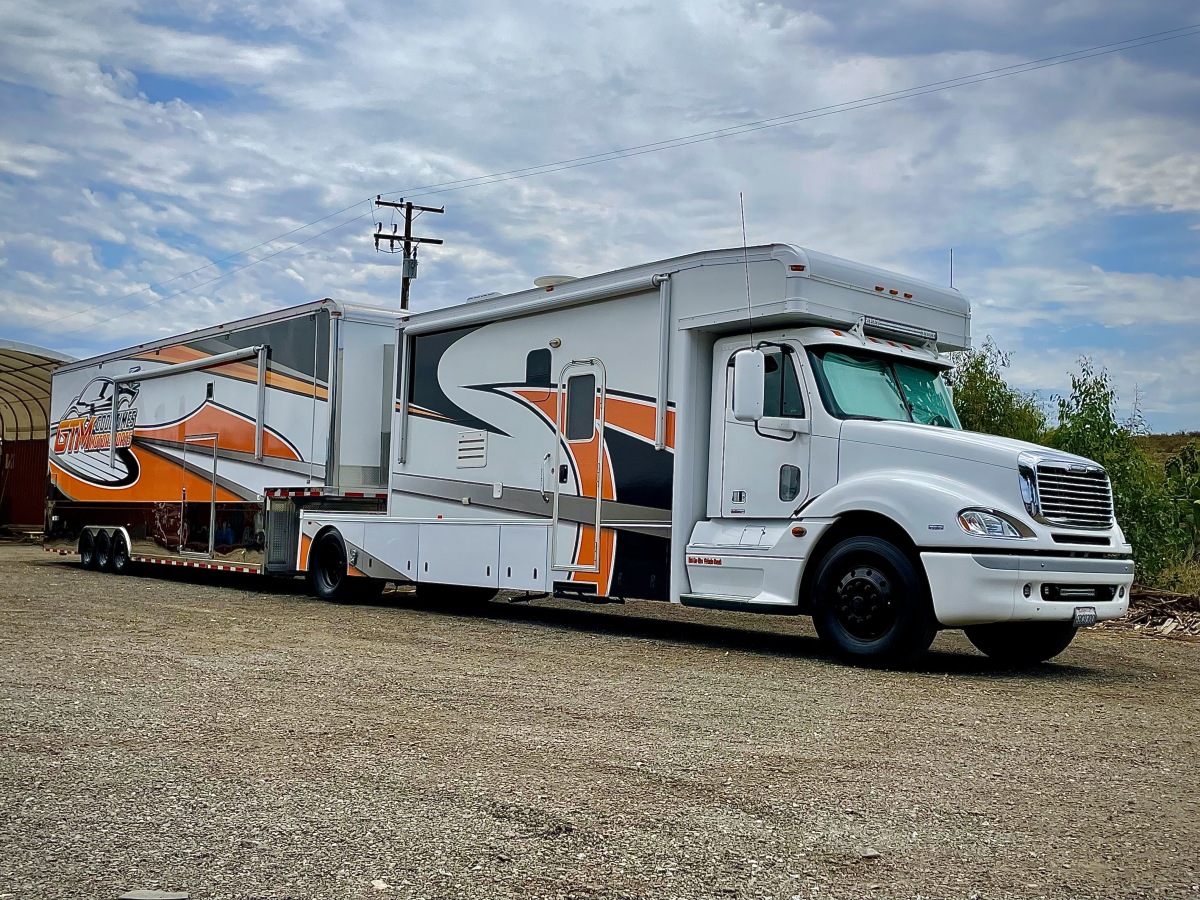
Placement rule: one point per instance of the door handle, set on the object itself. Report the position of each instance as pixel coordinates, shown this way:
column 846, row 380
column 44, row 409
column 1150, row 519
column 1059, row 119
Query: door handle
column 562, row 474
column 542, row 476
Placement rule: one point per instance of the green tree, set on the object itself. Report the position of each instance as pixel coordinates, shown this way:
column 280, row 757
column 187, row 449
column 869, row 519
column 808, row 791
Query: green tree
column 1183, row 485
column 1088, row 426
column 985, row 402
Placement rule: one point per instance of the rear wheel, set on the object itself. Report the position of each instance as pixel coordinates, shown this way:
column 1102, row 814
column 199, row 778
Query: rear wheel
column 329, row 573
column 120, row 561
column 103, row 551
column 870, row 604
column 87, row 550
column 1021, row 643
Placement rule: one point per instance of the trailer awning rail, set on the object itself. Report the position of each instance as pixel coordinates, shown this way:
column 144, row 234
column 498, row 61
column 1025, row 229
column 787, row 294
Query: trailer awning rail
column 260, row 351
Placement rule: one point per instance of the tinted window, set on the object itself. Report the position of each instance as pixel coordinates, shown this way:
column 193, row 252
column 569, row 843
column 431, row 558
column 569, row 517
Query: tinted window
column 789, row 483
column 581, row 408
column 537, row 368
column 781, row 394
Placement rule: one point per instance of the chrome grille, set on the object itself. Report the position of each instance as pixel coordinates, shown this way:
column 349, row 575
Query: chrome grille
column 1075, row 496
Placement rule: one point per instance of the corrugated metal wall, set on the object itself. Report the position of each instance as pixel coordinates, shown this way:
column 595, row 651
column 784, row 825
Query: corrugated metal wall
column 23, row 482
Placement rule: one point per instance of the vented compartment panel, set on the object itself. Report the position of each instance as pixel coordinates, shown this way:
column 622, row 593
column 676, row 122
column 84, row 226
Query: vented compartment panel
column 1075, row 496
column 283, row 535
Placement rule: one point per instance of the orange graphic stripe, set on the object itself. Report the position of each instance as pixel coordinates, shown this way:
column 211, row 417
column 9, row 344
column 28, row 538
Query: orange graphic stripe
column 238, row 370
column 159, row 480
column 587, row 557
column 233, row 432
column 305, row 546
column 637, row 418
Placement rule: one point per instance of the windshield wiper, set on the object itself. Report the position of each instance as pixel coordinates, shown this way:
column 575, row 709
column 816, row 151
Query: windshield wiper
column 867, row 418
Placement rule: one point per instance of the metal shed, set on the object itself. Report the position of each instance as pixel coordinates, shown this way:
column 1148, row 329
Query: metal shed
column 24, row 430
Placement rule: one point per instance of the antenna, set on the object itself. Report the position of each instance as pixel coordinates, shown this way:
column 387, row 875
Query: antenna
column 951, row 267
column 746, row 266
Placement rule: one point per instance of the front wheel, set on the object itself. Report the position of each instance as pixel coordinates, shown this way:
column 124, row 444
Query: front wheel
column 870, row 605
column 1021, row 643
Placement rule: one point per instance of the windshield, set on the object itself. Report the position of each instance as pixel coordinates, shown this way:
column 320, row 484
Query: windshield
column 866, row 386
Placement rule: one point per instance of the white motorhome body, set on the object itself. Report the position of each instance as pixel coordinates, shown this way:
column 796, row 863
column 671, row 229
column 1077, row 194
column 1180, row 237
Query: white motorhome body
column 589, row 439
column 220, row 437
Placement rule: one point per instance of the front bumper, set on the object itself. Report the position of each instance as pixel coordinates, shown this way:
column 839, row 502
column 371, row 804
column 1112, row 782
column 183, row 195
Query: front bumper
column 980, row 588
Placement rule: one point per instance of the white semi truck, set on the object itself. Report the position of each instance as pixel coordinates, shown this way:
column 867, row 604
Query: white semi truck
column 764, row 429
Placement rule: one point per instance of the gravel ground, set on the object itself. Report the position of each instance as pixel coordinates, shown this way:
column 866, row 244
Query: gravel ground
column 231, row 737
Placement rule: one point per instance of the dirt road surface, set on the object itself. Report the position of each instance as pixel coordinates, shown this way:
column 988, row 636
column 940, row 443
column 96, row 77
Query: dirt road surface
column 234, row 738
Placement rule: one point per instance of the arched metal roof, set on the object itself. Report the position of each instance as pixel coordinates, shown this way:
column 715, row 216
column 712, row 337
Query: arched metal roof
column 25, row 390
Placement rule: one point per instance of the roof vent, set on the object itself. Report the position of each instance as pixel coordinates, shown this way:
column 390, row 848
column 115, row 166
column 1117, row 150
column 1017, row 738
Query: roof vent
column 549, row 281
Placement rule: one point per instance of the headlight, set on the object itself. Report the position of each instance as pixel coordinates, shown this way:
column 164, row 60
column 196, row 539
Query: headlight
column 989, row 523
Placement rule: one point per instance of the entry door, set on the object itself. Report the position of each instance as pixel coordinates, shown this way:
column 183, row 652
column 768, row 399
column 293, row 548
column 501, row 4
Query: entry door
column 198, row 516
column 764, row 472
column 578, row 473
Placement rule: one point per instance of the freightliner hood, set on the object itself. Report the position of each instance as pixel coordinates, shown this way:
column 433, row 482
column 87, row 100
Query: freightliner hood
column 969, row 446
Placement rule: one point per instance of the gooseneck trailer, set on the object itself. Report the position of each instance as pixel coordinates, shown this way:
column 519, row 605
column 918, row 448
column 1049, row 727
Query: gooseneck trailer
column 764, row 429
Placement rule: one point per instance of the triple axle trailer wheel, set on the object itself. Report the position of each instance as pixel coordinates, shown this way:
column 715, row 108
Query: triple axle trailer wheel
column 104, row 551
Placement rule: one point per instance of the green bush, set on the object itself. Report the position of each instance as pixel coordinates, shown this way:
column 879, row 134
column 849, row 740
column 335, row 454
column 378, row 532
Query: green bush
column 1088, row 426
column 1183, row 485
column 986, row 403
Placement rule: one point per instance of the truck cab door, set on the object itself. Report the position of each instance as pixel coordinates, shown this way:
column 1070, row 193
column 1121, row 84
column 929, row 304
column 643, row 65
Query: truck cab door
column 764, row 472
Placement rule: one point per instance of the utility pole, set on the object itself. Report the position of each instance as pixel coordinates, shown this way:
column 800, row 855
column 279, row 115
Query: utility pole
column 409, row 268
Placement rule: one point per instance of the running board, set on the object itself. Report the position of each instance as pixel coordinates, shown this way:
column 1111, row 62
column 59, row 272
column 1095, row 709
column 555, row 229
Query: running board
column 737, row 604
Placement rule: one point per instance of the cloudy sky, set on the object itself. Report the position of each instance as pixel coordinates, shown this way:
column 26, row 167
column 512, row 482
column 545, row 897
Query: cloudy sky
column 140, row 143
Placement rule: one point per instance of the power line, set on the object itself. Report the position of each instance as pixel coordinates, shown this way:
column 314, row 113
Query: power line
column 653, row 147
column 931, row 87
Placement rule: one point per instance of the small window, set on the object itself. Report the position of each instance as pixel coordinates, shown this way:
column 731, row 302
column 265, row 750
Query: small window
column 581, row 408
column 781, row 391
column 209, row 391
column 789, row 483
column 537, row 368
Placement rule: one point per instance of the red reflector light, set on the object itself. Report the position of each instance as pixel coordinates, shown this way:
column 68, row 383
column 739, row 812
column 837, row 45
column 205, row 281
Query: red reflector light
column 879, row 287
column 796, row 268
column 907, row 296
column 893, row 293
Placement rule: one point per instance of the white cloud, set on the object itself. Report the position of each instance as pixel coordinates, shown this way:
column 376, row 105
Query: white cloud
column 319, row 107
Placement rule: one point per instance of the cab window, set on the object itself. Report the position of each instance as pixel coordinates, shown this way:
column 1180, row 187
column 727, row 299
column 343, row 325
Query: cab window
column 781, row 392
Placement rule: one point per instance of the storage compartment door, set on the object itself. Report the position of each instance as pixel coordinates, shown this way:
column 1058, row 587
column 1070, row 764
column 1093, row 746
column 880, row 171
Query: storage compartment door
column 459, row 554
column 524, row 552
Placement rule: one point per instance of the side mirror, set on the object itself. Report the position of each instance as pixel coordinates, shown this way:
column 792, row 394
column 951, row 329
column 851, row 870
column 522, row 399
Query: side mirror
column 749, row 382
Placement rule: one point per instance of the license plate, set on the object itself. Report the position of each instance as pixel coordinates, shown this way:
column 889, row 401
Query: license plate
column 1085, row 616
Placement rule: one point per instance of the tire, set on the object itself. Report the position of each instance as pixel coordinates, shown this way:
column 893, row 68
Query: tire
column 870, row 604
column 119, row 555
column 1021, row 643
column 103, row 551
column 329, row 575
column 87, row 550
